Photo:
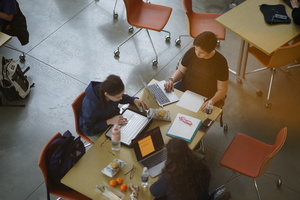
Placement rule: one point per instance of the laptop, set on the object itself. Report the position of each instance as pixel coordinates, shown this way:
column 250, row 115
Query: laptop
column 150, row 151
column 136, row 123
column 157, row 90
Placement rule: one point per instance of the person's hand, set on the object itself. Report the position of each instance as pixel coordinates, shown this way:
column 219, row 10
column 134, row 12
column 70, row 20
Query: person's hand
column 140, row 103
column 203, row 107
column 118, row 119
column 295, row 3
column 169, row 86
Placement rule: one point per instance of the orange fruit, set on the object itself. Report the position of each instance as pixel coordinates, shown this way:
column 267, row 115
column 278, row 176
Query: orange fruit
column 123, row 187
column 119, row 180
column 113, row 183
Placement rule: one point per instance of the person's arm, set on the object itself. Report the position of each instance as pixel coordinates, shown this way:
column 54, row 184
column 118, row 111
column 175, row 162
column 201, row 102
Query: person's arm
column 5, row 16
column 177, row 76
column 220, row 94
column 160, row 187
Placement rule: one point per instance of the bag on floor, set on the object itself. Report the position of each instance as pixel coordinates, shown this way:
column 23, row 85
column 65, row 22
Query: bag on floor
column 62, row 154
column 13, row 82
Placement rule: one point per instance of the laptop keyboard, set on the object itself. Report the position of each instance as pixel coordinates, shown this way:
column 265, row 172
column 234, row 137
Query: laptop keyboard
column 159, row 94
column 155, row 159
column 131, row 129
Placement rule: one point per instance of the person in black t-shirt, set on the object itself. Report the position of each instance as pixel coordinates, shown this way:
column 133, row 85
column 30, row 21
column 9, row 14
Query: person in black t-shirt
column 203, row 70
column 296, row 11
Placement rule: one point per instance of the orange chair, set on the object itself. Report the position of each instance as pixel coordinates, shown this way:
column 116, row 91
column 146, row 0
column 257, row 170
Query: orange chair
column 52, row 189
column 201, row 22
column 146, row 16
column 282, row 56
column 76, row 106
column 250, row 157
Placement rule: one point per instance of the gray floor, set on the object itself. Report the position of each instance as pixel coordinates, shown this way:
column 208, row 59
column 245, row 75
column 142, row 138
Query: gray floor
column 72, row 42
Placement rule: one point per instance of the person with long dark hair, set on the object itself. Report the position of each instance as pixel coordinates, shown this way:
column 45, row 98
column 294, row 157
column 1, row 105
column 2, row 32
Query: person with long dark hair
column 100, row 106
column 184, row 177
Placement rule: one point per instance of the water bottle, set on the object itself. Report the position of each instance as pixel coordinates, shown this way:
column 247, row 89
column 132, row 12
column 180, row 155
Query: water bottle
column 145, row 177
column 115, row 138
column 209, row 108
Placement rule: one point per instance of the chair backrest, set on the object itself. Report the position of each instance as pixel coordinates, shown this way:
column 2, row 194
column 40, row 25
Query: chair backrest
column 42, row 162
column 187, row 6
column 76, row 106
column 280, row 140
column 284, row 55
column 132, row 7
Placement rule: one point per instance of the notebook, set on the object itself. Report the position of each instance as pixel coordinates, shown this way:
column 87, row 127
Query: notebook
column 136, row 123
column 150, row 151
column 157, row 90
column 184, row 127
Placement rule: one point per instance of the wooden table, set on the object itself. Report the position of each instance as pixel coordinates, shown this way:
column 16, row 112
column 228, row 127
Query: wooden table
column 4, row 38
column 247, row 21
column 86, row 174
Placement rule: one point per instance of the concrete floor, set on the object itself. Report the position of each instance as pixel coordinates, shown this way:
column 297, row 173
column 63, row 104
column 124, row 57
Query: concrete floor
column 72, row 42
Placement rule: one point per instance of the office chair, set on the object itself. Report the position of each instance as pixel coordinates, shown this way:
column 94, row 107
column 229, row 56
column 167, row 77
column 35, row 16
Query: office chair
column 146, row 16
column 250, row 157
column 282, row 56
column 201, row 22
column 76, row 106
column 52, row 189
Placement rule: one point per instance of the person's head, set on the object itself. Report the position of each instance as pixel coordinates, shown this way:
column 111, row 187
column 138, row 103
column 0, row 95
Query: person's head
column 205, row 44
column 112, row 89
column 185, row 170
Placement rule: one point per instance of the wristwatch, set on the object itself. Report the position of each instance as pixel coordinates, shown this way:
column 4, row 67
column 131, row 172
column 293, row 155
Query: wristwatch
column 171, row 79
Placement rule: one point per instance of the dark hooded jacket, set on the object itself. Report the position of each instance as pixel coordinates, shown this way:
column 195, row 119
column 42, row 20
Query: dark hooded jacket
column 93, row 115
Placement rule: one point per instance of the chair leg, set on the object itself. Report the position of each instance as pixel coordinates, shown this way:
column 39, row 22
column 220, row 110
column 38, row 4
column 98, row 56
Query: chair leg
column 268, row 104
column 117, row 52
column 21, row 57
column 156, row 57
column 115, row 14
column 232, row 178
column 279, row 180
column 256, row 188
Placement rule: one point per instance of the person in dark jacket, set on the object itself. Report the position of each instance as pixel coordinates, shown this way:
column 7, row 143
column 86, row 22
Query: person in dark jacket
column 184, row 177
column 7, row 10
column 296, row 11
column 100, row 106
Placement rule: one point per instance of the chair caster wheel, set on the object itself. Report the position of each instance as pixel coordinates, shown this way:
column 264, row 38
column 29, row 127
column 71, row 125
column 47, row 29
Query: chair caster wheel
column 117, row 53
column 238, row 80
column 259, row 93
column 279, row 182
column 115, row 15
column 268, row 105
column 22, row 58
column 225, row 127
column 218, row 43
column 288, row 72
column 154, row 62
column 130, row 29
column 168, row 38
column 177, row 41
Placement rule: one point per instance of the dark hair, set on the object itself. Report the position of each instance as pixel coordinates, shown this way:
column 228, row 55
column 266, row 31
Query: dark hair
column 113, row 85
column 185, row 171
column 206, row 40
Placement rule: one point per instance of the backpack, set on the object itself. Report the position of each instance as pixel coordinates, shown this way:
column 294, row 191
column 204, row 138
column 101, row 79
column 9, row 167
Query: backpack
column 13, row 82
column 62, row 154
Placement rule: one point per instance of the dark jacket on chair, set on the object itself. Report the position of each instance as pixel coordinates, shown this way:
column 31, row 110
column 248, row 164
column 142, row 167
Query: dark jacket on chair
column 296, row 15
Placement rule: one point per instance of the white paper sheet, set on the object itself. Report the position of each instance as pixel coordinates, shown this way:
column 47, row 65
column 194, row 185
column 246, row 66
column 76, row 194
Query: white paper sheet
column 191, row 101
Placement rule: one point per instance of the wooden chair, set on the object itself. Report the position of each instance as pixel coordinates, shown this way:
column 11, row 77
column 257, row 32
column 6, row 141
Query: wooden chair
column 201, row 22
column 52, row 189
column 250, row 157
column 146, row 16
column 282, row 56
column 76, row 106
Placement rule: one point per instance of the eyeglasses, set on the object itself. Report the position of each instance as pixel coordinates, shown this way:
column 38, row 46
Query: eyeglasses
column 131, row 171
column 186, row 121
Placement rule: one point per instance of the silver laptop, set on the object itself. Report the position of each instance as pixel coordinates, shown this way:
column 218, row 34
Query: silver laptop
column 157, row 90
column 150, row 151
column 136, row 123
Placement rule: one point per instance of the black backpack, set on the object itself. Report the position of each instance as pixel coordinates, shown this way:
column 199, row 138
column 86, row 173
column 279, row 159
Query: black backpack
column 13, row 82
column 62, row 154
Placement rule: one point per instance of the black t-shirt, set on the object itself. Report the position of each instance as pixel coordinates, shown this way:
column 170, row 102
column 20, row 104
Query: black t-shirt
column 202, row 74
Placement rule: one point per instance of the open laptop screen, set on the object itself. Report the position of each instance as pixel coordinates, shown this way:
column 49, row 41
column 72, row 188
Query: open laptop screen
column 149, row 144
